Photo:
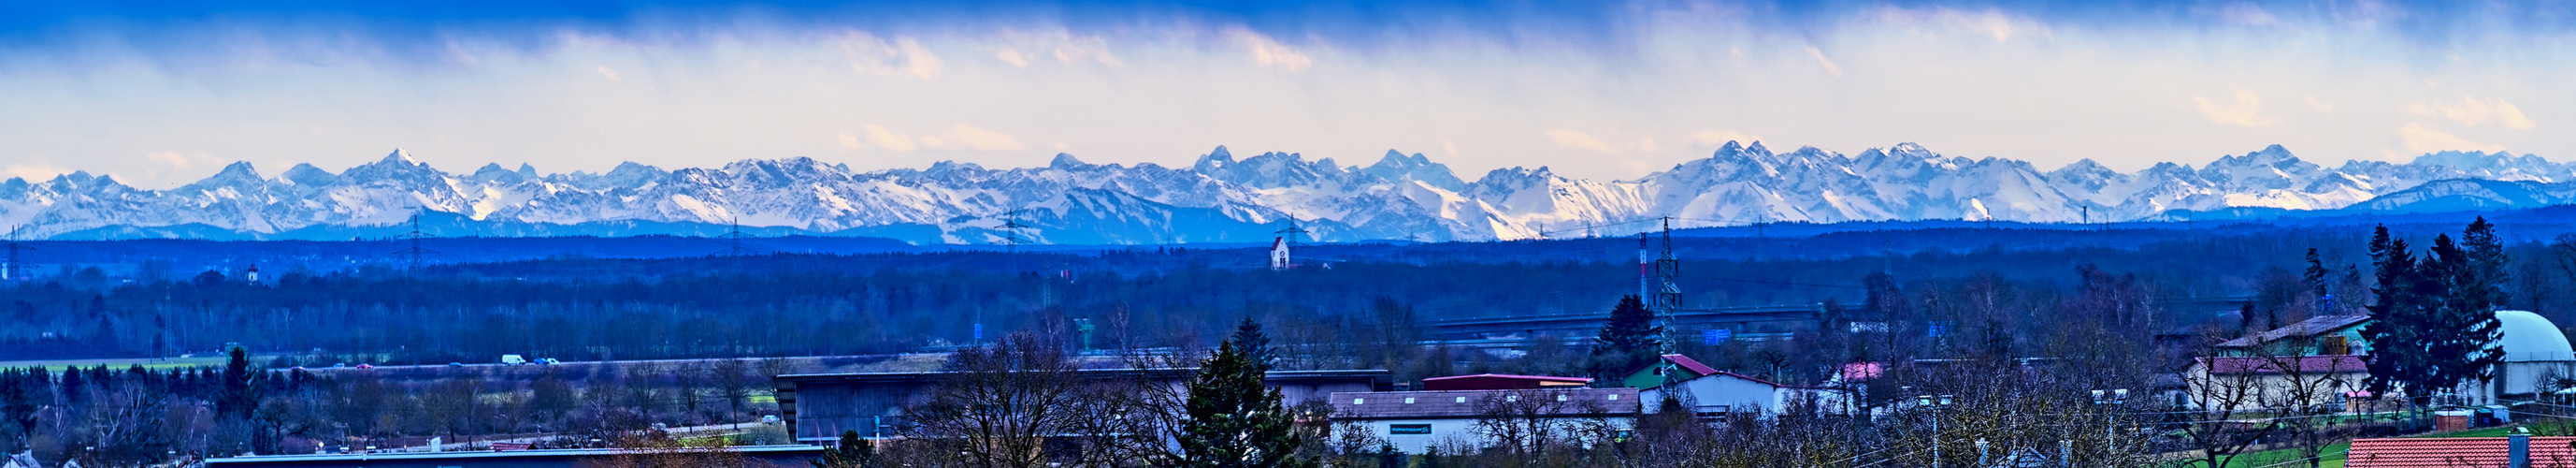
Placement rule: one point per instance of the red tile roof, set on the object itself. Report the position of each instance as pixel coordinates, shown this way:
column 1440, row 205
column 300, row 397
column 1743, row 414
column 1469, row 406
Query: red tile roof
column 2245, row 365
column 2450, row 452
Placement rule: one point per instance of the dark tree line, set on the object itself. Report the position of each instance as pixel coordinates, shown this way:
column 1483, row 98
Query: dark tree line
column 2434, row 322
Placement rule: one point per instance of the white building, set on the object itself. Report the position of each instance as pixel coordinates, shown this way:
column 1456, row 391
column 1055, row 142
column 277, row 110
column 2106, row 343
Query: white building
column 1722, row 393
column 1416, row 422
column 2535, row 352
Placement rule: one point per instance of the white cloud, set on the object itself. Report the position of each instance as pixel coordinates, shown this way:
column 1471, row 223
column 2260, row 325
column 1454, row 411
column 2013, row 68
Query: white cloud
column 2320, row 105
column 879, row 136
column 1649, row 146
column 960, row 137
column 901, row 57
column 33, row 172
column 1993, row 23
column 2422, row 139
column 1579, row 140
column 1713, row 138
column 1020, row 48
column 2246, row 110
column 1827, row 63
column 969, row 137
column 1448, row 147
column 2473, row 111
column 1271, row 54
column 611, row 75
column 2247, row 14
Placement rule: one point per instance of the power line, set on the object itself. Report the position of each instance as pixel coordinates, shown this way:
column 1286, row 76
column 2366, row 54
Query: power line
column 10, row 270
column 415, row 251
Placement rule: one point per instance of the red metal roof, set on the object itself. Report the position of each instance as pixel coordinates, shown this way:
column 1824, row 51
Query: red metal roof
column 2449, row 452
column 1693, row 364
column 1500, row 382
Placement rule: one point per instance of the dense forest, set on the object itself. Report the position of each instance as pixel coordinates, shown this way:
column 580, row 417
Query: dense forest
column 577, row 308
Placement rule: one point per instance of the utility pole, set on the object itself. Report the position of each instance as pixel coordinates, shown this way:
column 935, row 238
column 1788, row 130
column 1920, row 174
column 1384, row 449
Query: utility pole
column 9, row 271
column 1292, row 231
column 1012, row 233
column 735, row 234
column 416, row 251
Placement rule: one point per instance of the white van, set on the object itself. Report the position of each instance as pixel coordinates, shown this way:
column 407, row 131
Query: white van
column 513, row 360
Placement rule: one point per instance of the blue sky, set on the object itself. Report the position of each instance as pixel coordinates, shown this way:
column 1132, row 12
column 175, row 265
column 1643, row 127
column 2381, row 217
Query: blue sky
column 161, row 93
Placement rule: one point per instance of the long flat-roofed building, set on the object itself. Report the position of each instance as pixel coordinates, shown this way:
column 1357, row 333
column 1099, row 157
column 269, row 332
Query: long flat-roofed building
column 773, row 456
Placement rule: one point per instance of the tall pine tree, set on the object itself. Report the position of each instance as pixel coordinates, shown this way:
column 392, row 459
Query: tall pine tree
column 1235, row 420
column 2398, row 353
column 1629, row 340
column 2316, row 278
column 1254, row 344
column 2433, row 326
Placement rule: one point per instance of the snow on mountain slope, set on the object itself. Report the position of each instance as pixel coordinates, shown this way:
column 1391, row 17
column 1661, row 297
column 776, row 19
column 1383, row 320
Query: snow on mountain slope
column 1220, row 198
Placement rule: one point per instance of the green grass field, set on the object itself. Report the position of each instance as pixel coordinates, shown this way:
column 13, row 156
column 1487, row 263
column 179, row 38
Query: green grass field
column 148, row 363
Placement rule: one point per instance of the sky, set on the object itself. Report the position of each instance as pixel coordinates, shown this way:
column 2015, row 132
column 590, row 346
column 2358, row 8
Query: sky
column 161, row 93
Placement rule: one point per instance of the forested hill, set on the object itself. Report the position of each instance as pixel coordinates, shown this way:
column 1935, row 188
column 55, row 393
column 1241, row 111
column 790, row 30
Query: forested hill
column 173, row 258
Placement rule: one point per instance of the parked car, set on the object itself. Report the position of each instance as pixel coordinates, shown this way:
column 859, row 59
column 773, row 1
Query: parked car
column 456, row 364
column 513, row 360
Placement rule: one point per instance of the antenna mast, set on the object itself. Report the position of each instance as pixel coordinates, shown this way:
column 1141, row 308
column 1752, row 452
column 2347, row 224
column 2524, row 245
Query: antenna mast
column 1667, row 300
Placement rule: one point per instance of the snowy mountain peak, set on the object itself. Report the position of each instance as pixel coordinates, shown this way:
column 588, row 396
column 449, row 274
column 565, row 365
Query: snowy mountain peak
column 1213, row 159
column 1066, row 161
column 309, row 176
column 1396, row 166
column 1220, row 198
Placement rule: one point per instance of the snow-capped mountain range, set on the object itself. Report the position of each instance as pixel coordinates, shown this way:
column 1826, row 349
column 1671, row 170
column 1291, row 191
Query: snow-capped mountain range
column 1222, row 198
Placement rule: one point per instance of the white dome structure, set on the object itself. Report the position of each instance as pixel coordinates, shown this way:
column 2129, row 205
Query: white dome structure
column 2528, row 337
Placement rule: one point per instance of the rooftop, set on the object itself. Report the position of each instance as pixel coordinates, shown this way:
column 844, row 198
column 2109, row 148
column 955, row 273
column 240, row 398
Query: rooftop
column 1173, row 373
column 1437, row 404
column 2313, row 326
column 335, row 457
column 1500, row 382
column 2444, row 452
column 2303, row 364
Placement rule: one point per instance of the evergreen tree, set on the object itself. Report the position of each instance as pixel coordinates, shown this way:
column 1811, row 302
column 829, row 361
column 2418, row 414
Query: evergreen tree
column 2397, row 357
column 2316, row 278
column 2433, row 326
column 2481, row 280
column 853, row 452
column 240, row 392
column 1235, row 420
column 2463, row 328
column 1628, row 341
column 1254, row 344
